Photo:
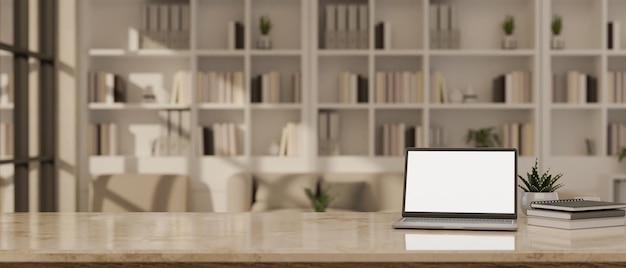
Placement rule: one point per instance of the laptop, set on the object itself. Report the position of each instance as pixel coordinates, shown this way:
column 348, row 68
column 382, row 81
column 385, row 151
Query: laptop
column 461, row 188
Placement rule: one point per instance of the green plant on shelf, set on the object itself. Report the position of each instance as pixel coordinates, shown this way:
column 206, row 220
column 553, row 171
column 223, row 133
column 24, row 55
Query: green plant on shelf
column 320, row 202
column 545, row 182
column 265, row 25
column 508, row 25
column 557, row 25
column 622, row 154
column 482, row 137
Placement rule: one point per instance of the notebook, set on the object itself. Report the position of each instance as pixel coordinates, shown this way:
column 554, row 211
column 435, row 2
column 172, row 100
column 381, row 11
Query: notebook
column 577, row 204
column 462, row 188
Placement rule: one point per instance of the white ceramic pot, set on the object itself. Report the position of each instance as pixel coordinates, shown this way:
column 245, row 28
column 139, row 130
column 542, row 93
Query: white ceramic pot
column 528, row 197
column 557, row 42
column 509, row 42
column 264, row 42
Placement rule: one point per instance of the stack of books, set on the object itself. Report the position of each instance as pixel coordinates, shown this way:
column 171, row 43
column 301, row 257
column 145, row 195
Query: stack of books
column 576, row 214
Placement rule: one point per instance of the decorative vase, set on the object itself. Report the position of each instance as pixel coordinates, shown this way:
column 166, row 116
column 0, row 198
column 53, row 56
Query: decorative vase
column 264, row 42
column 509, row 42
column 557, row 42
column 528, row 197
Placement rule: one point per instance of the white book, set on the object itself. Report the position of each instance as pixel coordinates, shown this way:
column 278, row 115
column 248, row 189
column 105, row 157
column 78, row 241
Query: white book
column 419, row 136
column 344, row 87
column 433, row 14
column 232, row 139
column 616, row 35
column 112, row 133
column 353, row 26
column 282, row 151
column 419, row 86
column 572, row 87
column 275, row 87
column 231, row 35
column 386, row 139
column 217, row 139
column 331, row 27
column 109, row 83
column 619, row 80
column 353, row 88
column 363, row 35
column 342, row 26
column 576, row 224
column 454, row 31
column 200, row 85
column 380, row 87
column 265, row 88
column 610, row 86
column 322, row 135
column 508, row 88
column 582, row 88
column 407, row 94
column 238, row 88
column 292, row 140
column 388, row 34
column 213, row 87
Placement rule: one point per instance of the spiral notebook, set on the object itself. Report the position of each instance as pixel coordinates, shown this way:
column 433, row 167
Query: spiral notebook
column 577, row 204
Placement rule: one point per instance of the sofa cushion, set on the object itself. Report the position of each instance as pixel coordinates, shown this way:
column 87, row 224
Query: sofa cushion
column 282, row 191
column 347, row 194
column 390, row 191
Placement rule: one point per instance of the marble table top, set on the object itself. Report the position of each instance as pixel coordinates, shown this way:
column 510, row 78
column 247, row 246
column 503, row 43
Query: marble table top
column 285, row 237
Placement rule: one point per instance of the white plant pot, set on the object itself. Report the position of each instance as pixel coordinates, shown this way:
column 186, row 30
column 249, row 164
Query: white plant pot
column 509, row 42
column 264, row 42
column 528, row 197
column 557, row 42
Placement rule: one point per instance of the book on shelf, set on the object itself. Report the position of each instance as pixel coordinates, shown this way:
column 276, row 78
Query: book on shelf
column 235, row 35
column 6, row 139
column 576, row 88
column 353, row 28
column 220, row 87
column 399, row 87
column 438, row 89
column 444, row 27
column 290, row 140
column 328, row 133
column 576, row 224
column 616, row 87
column 363, row 28
column 436, row 136
column 105, row 87
column 220, row 139
column 181, row 88
column 342, row 26
column 520, row 136
column 616, row 139
column 346, row 26
column 102, row 139
column 614, row 35
column 382, row 35
column 330, row 34
column 163, row 26
column 576, row 204
column 567, row 215
column 353, row 88
column 267, row 88
column 395, row 137
column 513, row 87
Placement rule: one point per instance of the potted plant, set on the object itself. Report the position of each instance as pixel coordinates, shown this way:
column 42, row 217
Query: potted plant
column 482, row 137
column 265, row 25
column 622, row 154
column 538, row 187
column 320, row 202
column 557, row 28
column 508, row 26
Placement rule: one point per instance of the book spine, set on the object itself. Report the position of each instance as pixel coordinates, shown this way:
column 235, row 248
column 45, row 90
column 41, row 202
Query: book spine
column 330, row 35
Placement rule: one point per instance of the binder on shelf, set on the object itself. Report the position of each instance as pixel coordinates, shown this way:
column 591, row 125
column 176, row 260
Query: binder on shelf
column 454, row 31
column 444, row 22
column 235, row 35
column 353, row 21
column 382, row 32
column 434, row 27
column 175, row 27
column 330, row 34
column 163, row 33
column 342, row 26
column 363, row 28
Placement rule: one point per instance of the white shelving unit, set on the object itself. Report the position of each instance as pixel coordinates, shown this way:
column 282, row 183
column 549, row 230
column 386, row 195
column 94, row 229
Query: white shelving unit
column 559, row 128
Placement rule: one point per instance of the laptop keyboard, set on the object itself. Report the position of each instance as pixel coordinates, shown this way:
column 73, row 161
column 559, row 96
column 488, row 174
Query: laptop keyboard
column 457, row 220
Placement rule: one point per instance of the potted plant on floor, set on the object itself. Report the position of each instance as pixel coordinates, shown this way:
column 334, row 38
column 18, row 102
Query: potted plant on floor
column 557, row 27
column 538, row 187
column 482, row 137
column 265, row 25
column 508, row 26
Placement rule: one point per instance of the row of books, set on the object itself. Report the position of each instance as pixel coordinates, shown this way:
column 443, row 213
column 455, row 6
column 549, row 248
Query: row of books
column 346, row 26
column 162, row 26
column 236, row 35
column 397, row 136
column 181, row 88
column 328, row 133
column 267, row 88
column 353, row 88
column 399, row 87
column 6, row 88
column 616, row 140
column 174, row 139
column 382, row 35
column 105, row 87
column 513, row 87
column 614, row 35
column 520, row 136
column 444, row 27
column 102, row 139
column 575, row 214
column 438, row 88
column 221, row 139
column 574, row 87
column 6, row 139
column 220, row 87
column 290, row 140
column 616, row 86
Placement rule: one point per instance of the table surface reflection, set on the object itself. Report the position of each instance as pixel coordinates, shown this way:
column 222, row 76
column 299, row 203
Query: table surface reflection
column 285, row 237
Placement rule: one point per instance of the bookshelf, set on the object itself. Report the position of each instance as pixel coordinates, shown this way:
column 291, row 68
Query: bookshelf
column 558, row 130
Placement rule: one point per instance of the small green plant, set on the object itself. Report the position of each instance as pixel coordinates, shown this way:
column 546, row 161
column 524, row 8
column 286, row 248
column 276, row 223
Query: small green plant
column 622, row 154
column 536, row 183
column 320, row 202
column 265, row 24
column 482, row 137
column 557, row 25
column 508, row 25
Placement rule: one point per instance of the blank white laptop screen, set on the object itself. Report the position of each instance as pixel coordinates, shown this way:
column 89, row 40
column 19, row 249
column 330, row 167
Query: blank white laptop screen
column 460, row 182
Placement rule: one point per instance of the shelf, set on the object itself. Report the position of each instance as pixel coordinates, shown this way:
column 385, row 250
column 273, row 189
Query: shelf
column 221, row 52
column 616, row 106
column 575, row 106
column 278, row 52
column 346, row 52
column 220, row 106
column 483, row 106
column 275, row 106
column 137, row 106
column 576, row 52
column 616, row 53
column 6, row 106
column 399, row 106
column 343, row 106
column 138, row 53
column 483, row 53
column 399, row 52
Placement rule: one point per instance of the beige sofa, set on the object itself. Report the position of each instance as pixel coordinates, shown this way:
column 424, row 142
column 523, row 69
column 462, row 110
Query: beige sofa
column 366, row 192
